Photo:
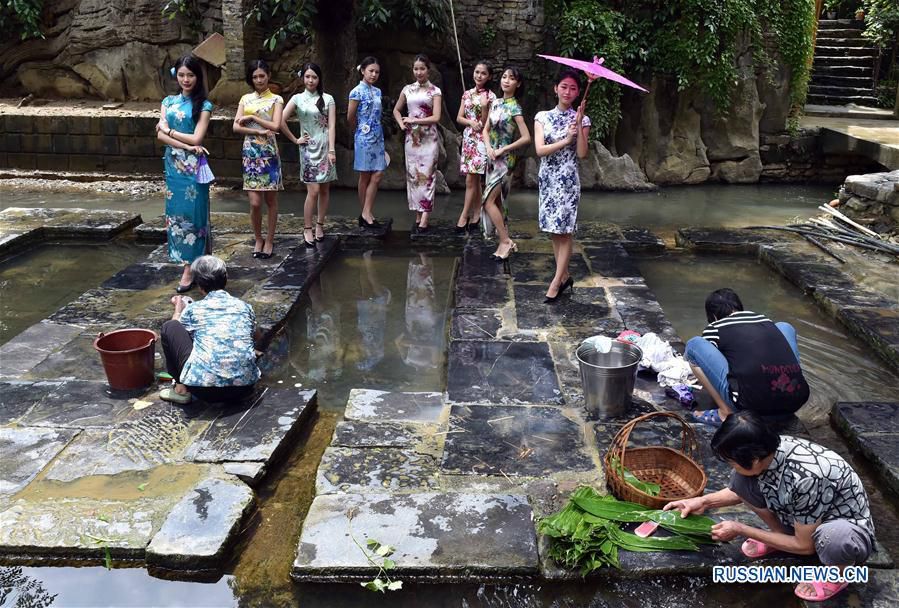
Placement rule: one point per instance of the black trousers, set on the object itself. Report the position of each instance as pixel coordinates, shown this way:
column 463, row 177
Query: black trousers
column 177, row 346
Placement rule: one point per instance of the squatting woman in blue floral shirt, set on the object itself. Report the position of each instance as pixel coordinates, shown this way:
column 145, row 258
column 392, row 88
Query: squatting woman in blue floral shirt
column 208, row 345
column 182, row 126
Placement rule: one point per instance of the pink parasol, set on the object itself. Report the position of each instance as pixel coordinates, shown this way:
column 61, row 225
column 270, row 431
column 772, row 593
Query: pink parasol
column 596, row 69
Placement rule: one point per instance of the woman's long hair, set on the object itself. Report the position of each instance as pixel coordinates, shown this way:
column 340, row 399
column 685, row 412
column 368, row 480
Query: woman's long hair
column 198, row 94
column 320, row 89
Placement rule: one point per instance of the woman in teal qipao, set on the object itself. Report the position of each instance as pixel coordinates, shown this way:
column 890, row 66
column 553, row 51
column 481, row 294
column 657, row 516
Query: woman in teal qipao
column 499, row 131
column 318, row 127
column 364, row 115
column 182, row 126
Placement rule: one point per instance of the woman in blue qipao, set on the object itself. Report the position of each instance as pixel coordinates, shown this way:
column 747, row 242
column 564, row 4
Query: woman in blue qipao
column 364, row 116
column 561, row 139
column 182, row 126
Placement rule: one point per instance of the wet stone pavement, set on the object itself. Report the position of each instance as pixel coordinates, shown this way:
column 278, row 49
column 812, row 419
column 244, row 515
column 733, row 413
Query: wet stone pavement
column 85, row 469
column 510, row 431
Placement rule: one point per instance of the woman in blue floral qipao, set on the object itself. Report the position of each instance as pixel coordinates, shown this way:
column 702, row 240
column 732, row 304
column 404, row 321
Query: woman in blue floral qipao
column 182, row 126
column 560, row 137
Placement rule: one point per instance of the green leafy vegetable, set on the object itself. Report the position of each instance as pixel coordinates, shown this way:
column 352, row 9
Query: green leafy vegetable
column 586, row 533
column 652, row 489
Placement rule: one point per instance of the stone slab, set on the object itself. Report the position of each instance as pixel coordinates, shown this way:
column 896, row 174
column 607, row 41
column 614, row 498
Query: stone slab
column 881, row 591
column 81, row 404
column 579, row 307
column 516, row 441
column 722, row 240
column 477, row 261
column 258, row 433
column 25, row 451
column 597, row 232
column 272, row 307
column 502, row 373
column 17, row 398
column 61, row 224
column 239, row 254
column 76, row 360
column 353, row 434
column 384, row 406
column 540, row 267
column 375, row 470
column 482, row 292
column 63, row 527
column 251, row 473
column 636, row 239
column 833, row 299
column 33, row 345
column 475, row 324
column 156, row 435
column 611, row 260
column 110, row 309
column 877, row 327
column 641, row 311
column 143, row 276
column 199, row 529
column 302, row 266
column 866, row 417
column 459, row 536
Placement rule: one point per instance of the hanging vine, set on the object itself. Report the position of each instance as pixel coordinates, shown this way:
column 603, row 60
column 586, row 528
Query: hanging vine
column 693, row 42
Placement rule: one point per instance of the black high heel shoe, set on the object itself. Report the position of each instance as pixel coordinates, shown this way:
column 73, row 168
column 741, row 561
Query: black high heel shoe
column 308, row 243
column 315, row 238
column 568, row 284
column 185, row 288
column 372, row 224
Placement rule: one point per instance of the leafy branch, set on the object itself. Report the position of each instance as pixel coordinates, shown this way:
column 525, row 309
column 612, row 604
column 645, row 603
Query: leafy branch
column 21, row 19
column 378, row 555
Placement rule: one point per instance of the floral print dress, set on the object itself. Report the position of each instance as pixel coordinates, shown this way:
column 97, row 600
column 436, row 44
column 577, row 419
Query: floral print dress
column 186, row 201
column 368, row 141
column 422, row 147
column 475, row 105
column 558, row 180
column 261, row 162
column 314, row 165
column 499, row 171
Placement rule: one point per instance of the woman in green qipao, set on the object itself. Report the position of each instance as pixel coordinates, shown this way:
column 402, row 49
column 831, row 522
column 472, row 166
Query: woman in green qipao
column 318, row 124
column 258, row 118
column 499, row 133
column 183, row 121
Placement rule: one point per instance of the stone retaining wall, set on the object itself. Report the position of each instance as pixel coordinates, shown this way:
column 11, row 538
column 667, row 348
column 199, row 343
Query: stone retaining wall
column 801, row 158
column 874, row 196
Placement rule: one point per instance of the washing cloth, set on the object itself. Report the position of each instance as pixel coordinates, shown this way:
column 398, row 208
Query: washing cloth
column 672, row 369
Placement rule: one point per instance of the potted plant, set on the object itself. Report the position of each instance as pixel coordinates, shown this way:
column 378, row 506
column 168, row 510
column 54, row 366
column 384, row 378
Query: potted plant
column 830, row 8
column 860, row 14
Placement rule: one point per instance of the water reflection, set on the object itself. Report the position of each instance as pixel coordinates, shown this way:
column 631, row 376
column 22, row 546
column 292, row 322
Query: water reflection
column 375, row 320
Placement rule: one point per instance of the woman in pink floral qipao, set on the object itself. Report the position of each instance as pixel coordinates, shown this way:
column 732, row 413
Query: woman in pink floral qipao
column 473, row 113
column 422, row 139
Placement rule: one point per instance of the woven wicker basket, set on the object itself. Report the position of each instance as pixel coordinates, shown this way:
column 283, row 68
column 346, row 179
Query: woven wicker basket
column 677, row 472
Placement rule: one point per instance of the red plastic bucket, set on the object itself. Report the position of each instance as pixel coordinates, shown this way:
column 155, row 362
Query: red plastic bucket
column 127, row 356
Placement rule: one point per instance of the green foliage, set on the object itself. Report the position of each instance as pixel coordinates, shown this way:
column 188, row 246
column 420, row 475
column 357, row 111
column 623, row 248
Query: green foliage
column 652, row 489
column 586, row 533
column 881, row 21
column 693, row 42
column 187, row 11
column 421, row 15
column 21, row 19
column 886, row 94
column 284, row 18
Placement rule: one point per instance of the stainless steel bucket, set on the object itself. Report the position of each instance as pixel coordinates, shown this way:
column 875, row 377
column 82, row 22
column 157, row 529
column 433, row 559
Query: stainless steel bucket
column 608, row 378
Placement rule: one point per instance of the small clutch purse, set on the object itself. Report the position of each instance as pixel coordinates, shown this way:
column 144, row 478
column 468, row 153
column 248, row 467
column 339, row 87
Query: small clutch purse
column 204, row 173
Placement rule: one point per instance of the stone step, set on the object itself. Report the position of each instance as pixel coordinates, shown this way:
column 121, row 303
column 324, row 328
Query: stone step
column 844, row 51
column 852, row 82
column 849, row 32
column 843, row 70
column 838, row 60
column 836, row 100
column 436, row 536
column 834, row 91
column 836, row 24
column 856, row 42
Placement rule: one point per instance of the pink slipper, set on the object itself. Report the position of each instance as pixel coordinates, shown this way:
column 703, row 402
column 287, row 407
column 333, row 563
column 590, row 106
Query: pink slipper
column 761, row 548
column 823, row 591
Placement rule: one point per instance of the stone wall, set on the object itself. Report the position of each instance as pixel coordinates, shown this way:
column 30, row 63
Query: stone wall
column 107, row 49
column 800, row 158
column 873, row 197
